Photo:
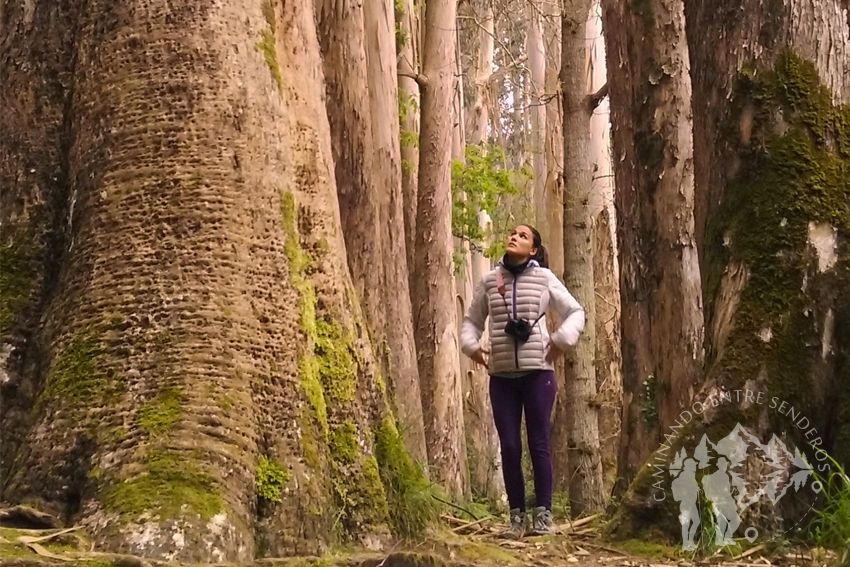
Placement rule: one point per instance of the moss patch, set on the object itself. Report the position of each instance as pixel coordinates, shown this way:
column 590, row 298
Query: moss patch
column 16, row 272
column 171, row 486
column 343, row 443
column 792, row 174
column 78, row 374
column 411, row 497
column 271, row 477
column 336, row 362
column 161, row 413
column 267, row 46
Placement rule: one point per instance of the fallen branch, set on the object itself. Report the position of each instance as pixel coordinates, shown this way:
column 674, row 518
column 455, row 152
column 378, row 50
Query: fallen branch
column 470, row 524
column 749, row 552
column 456, row 507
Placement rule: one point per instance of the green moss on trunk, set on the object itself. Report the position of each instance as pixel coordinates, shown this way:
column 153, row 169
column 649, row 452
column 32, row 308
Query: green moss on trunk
column 161, row 413
column 170, row 486
column 16, row 271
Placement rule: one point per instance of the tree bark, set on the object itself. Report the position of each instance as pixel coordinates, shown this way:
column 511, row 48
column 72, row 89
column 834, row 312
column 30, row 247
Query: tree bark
column 771, row 165
column 659, row 270
column 537, row 112
column 479, row 117
column 433, row 288
column 204, row 326
column 608, row 361
column 579, row 414
column 400, row 348
column 408, row 66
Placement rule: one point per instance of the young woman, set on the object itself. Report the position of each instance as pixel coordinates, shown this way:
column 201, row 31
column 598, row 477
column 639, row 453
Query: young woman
column 516, row 295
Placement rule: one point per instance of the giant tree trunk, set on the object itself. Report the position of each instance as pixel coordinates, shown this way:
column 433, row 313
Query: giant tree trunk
column 203, row 334
column 399, row 347
column 772, row 178
column 662, row 332
column 578, row 417
column 433, row 287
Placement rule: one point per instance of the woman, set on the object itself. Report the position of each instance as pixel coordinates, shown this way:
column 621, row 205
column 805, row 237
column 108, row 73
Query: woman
column 516, row 295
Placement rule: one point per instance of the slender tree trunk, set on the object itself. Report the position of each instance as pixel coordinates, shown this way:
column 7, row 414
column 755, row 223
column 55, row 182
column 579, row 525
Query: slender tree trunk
column 609, row 372
column 537, row 112
column 399, row 348
column 659, row 276
column 203, row 328
column 553, row 220
column 480, row 115
column 433, row 287
column 580, row 411
column 408, row 67
column 553, row 225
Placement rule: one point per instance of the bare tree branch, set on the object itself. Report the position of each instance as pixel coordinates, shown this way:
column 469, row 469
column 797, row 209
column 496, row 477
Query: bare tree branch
column 593, row 100
column 421, row 80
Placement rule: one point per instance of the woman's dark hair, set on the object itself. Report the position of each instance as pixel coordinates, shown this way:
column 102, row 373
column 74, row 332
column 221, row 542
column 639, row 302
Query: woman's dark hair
column 542, row 257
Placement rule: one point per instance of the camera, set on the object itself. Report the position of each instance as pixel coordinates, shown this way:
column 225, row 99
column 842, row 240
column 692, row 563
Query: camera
column 519, row 329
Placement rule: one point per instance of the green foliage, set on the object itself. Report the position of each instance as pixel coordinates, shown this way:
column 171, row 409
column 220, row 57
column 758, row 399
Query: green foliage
column 161, row 413
column 409, row 139
column 270, row 479
column 406, row 105
column 831, row 525
column 414, row 502
column 172, row 485
column 484, row 183
column 401, row 35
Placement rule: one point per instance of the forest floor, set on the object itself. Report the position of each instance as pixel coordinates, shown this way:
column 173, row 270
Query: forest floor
column 456, row 543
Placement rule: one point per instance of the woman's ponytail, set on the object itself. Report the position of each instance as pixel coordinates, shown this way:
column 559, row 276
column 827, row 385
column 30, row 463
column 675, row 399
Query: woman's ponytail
column 542, row 256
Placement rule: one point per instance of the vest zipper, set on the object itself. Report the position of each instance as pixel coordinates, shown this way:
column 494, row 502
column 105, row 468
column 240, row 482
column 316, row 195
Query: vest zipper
column 516, row 345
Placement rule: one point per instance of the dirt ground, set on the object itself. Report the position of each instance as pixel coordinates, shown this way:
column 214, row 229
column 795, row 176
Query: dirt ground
column 455, row 543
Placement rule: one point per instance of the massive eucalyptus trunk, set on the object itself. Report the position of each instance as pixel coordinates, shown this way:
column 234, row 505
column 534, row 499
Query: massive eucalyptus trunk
column 773, row 179
column 196, row 382
column 659, row 270
column 433, row 287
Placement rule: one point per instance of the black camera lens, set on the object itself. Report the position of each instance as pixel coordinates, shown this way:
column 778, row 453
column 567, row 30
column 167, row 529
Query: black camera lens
column 519, row 329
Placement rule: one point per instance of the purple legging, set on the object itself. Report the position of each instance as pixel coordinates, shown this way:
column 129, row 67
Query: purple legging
column 536, row 393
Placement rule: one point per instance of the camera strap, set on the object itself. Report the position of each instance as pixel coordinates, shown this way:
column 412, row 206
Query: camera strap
column 500, row 285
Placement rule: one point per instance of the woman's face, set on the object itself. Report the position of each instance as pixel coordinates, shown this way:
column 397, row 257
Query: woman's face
column 521, row 243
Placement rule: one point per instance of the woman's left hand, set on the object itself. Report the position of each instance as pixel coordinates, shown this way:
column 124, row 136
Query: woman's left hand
column 553, row 353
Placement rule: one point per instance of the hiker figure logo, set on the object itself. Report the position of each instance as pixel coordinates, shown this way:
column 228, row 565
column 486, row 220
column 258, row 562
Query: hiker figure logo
column 716, row 470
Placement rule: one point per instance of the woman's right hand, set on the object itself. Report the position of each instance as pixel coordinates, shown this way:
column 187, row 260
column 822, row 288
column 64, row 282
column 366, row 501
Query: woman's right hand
column 481, row 357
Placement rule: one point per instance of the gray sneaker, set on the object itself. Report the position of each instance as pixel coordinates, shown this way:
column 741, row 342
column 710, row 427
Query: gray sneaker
column 542, row 521
column 519, row 525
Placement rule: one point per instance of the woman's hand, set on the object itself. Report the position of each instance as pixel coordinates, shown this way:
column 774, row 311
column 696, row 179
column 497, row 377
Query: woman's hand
column 480, row 357
column 553, row 353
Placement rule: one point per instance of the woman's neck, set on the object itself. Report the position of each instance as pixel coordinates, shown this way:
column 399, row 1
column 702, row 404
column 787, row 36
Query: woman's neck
column 516, row 261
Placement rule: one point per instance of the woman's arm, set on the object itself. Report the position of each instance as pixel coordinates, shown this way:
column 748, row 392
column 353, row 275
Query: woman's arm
column 473, row 323
column 572, row 314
